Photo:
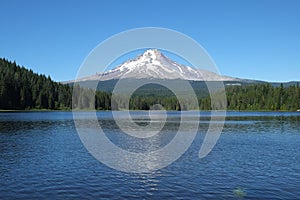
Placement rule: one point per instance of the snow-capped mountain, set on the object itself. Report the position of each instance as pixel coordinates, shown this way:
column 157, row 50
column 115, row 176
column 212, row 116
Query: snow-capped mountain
column 153, row 64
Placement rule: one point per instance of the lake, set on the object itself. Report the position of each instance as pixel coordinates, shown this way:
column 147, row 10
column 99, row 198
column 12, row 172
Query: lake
column 256, row 157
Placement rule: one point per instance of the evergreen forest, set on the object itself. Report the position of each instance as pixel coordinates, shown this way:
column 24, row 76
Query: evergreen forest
column 22, row 89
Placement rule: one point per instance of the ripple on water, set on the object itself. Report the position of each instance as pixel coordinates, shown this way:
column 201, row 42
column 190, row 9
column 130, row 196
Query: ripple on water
column 257, row 155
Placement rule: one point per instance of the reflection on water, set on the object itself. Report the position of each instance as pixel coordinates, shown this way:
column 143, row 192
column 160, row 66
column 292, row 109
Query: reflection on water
column 42, row 157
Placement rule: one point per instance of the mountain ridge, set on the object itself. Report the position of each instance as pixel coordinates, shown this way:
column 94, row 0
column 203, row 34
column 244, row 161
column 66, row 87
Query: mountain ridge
column 153, row 64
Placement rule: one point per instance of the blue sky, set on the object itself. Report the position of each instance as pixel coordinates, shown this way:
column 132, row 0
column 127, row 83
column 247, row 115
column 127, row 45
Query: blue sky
column 256, row 39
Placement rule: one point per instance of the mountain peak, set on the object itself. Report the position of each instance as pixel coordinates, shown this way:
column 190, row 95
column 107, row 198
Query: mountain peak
column 150, row 56
column 152, row 64
column 152, row 53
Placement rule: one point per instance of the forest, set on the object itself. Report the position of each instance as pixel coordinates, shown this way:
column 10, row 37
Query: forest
column 22, row 89
column 260, row 97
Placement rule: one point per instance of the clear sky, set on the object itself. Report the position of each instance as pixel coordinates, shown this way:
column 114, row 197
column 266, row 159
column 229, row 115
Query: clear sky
column 256, row 39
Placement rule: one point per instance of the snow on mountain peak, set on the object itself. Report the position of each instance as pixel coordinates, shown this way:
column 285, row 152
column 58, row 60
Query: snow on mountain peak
column 152, row 53
column 151, row 56
column 153, row 64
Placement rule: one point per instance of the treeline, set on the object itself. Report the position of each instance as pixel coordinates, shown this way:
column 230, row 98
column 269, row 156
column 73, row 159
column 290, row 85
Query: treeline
column 22, row 89
column 259, row 97
column 88, row 99
column 264, row 97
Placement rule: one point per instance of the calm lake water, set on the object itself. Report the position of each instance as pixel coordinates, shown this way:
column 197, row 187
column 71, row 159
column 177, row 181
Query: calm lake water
column 256, row 157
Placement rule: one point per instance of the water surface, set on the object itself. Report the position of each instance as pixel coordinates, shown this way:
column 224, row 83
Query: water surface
column 256, row 157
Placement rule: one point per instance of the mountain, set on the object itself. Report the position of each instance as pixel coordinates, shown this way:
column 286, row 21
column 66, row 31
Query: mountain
column 22, row 89
column 155, row 65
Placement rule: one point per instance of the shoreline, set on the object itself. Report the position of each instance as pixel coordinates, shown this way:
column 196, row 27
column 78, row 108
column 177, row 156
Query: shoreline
column 70, row 110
